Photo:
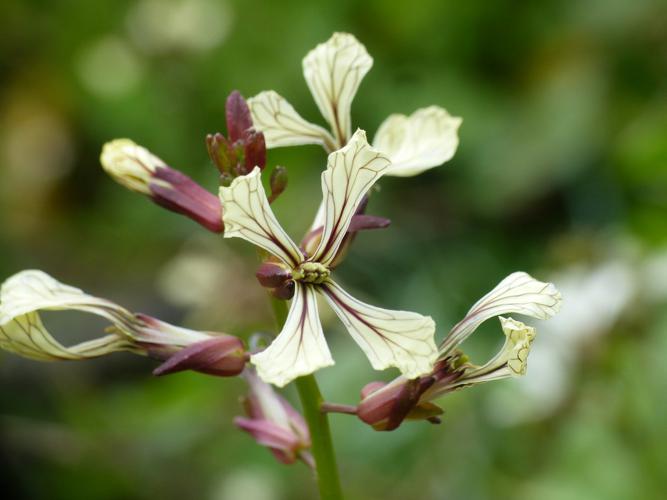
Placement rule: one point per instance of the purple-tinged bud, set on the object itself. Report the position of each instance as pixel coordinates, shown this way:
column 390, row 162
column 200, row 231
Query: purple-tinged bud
column 139, row 170
column 385, row 406
column 277, row 279
column 238, row 117
column 363, row 222
column 254, row 151
column 278, row 182
column 223, row 356
column 222, row 153
column 274, row 423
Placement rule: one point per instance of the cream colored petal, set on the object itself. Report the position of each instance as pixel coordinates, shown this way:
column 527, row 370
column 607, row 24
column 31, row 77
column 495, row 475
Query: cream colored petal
column 131, row 165
column 425, row 139
column 351, row 172
column 246, row 214
column 300, row 348
column 282, row 125
column 518, row 293
column 511, row 360
column 333, row 71
column 21, row 330
column 388, row 338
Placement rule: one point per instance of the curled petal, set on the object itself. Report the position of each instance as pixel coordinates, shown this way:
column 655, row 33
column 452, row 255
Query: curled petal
column 247, row 215
column 333, row 70
column 389, row 338
column 425, row 139
column 27, row 293
column 511, row 360
column 23, row 333
column 518, row 293
column 351, row 172
column 300, row 348
column 282, row 125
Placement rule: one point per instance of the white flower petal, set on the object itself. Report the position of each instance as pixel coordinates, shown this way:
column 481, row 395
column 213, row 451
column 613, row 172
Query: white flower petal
column 389, row 338
column 511, row 360
column 282, row 125
column 333, row 71
column 246, row 214
column 425, row 139
column 518, row 293
column 22, row 331
column 351, row 172
column 131, row 165
column 300, row 348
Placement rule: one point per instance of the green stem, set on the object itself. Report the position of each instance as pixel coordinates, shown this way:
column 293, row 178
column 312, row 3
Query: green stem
column 326, row 469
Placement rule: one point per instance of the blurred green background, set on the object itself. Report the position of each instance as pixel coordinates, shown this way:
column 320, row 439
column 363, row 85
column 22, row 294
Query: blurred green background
column 561, row 172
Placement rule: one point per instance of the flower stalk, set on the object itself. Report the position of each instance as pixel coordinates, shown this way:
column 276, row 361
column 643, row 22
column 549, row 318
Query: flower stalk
column 326, row 469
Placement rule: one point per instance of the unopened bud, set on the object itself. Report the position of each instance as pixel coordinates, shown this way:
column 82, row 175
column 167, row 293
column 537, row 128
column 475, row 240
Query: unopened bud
column 277, row 279
column 222, row 153
column 274, row 423
column 278, row 182
column 130, row 165
column 222, row 355
column 237, row 115
column 254, row 150
column 385, row 406
column 139, row 170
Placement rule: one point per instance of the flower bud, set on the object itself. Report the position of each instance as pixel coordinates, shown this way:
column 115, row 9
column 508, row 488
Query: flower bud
column 274, row 423
column 222, row 355
column 385, row 406
column 277, row 279
column 254, row 149
column 222, row 153
column 278, row 182
column 237, row 115
column 139, row 170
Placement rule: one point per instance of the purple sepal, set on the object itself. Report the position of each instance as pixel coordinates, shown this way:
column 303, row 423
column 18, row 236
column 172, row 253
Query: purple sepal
column 223, row 356
column 181, row 194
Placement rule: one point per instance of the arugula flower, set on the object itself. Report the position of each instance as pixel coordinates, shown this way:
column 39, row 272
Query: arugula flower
column 385, row 406
column 22, row 332
column 333, row 71
column 388, row 338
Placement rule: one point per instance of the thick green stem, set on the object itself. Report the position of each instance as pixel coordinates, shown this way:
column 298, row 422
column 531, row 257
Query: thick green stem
column 320, row 434
column 326, row 469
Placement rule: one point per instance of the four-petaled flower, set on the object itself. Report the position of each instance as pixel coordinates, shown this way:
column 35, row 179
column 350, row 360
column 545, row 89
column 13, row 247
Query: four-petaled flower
column 333, row 71
column 388, row 338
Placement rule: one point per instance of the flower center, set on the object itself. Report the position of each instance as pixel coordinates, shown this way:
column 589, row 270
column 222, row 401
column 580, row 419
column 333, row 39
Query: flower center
column 311, row 272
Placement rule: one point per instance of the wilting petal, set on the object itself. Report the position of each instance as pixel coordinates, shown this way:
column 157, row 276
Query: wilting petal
column 21, row 328
column 300, row 348
column 282, row 125
column 518, row 293
column 333, row 71
column 247, row 215
column 351, row 172
column 511, row 360
column 425, row 139
column 389, row 338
